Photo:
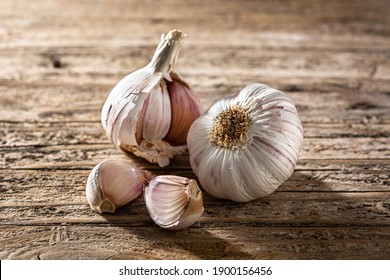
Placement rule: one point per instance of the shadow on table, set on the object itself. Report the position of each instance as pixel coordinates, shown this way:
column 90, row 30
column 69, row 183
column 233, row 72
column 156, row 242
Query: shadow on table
column 200, row 241
column 191, row 243
column 227, row 230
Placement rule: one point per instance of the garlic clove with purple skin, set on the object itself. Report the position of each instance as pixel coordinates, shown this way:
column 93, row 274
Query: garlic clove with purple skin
column 173, row 202
column 186, row 108
column 112, row 184
column 245, row 146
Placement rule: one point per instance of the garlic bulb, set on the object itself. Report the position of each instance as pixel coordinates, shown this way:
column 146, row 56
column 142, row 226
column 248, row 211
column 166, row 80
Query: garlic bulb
column 150, row 111
column 173, row 202
column 246, row 146
column 114, row 183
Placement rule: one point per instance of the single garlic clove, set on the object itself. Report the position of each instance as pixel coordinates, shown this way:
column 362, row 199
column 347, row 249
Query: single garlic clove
column 149, row 112
column 186, row 108
column 173, row 202
column 244, row 147
column 158, row 114
column 112, row 184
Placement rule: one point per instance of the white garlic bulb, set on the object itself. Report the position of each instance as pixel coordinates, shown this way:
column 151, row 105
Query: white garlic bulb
column 246, row 146
column 173, row 202
column 150, row 111
column 112, row 184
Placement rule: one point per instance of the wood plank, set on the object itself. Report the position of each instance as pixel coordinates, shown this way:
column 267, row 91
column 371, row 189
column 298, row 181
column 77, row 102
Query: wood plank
column 259, row 242
column 59, row 133
column 87, row 155
column 343, row 164
column 279, row 209
column 75, row 133
column 41, row 187
column 74, row 20
column 267, row 39
column 84, row 103
column 87, row 63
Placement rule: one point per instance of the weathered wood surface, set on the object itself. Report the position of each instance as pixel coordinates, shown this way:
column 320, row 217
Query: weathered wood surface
column 59, row 60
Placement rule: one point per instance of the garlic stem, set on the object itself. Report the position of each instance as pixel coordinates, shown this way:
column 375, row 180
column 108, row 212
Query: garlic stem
column 164, row 58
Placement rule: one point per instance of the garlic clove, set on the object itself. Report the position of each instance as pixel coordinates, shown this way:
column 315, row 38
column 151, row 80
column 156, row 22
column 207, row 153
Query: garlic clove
column 186, row 108
column 173, row 202
column 244, row 147
column 142, row 116
column 157, row 116
column 140, row 124
column 112, row 184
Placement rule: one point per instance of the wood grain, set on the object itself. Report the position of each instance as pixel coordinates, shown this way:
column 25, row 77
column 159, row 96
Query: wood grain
column 58, row 62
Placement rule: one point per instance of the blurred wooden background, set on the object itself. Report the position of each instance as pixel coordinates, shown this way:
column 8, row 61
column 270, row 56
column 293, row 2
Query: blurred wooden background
column 60, row 59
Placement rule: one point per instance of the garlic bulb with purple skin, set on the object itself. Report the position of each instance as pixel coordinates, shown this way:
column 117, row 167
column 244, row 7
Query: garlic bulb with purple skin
column 245, row 146
column 173, row 202
column 150, row 111
column 114, row 183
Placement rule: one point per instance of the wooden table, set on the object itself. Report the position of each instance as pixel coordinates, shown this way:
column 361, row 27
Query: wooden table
column 60, row 59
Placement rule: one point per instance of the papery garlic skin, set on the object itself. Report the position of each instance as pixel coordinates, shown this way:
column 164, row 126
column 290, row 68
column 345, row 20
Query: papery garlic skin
column 112, row 184
column 173, row 202
column 150, row 111
column 245, row 146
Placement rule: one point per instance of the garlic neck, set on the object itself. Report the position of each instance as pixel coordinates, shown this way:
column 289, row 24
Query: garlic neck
column 164, row 58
